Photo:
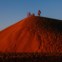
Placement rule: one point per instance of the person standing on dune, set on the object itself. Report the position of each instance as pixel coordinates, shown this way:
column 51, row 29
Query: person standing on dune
column 39, row 12
column 29, row 14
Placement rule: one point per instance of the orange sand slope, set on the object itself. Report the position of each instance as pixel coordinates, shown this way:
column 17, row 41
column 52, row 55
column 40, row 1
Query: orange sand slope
column 33, row 34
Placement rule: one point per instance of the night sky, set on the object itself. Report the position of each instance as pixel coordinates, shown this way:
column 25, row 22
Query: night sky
column 12, row 11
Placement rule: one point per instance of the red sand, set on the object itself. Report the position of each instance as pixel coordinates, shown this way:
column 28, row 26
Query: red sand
column 32, row 34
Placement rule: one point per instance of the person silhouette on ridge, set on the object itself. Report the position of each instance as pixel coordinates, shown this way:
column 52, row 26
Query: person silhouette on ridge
column 28, row 14
column 39, row 12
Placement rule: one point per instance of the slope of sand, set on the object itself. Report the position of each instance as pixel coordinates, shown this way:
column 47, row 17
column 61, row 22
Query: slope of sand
column 33, row 34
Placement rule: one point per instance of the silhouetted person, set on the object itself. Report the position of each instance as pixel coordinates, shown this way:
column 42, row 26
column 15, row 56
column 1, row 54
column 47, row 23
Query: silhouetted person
column 29, row 14
column 39, row 12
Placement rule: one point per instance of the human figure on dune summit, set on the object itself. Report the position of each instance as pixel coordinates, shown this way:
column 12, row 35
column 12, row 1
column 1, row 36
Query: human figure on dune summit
column 29, row 14
column 39, row 12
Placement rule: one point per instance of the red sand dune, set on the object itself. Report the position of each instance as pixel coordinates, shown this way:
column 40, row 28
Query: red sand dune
column 33, row 34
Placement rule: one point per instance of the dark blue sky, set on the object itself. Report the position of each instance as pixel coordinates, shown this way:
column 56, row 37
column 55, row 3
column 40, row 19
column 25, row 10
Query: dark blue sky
column 11, row 11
